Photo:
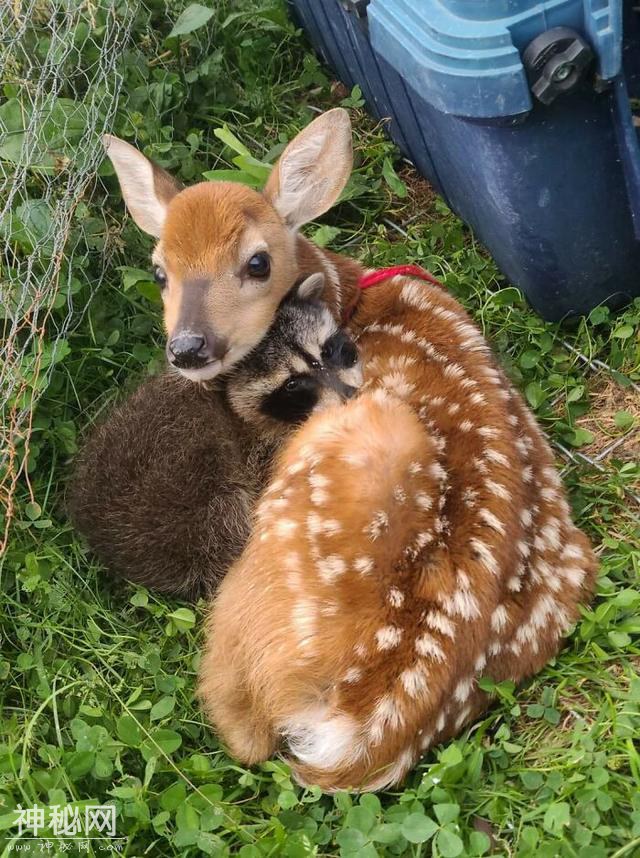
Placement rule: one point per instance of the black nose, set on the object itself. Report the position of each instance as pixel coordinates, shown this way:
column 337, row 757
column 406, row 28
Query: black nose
column 339, row 351
column 188, row 350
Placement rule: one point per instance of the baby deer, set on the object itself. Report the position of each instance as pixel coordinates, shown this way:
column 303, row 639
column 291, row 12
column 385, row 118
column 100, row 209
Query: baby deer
column 164, row 489
column 410, row 542
column 227, row 254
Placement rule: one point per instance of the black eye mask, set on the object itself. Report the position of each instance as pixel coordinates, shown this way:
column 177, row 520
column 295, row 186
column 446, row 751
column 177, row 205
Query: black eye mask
column 293, row 401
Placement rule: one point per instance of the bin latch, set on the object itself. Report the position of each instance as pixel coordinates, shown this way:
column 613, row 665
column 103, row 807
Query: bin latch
column 556, row 62
column 357, row 6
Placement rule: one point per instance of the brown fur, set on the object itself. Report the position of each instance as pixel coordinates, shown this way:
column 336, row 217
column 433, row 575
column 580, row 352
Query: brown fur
column 165, row 487
column 411, row 541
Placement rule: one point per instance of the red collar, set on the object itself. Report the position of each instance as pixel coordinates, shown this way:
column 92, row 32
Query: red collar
column 375, row 277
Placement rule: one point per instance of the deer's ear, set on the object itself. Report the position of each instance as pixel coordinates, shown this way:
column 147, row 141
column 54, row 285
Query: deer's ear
column 147, row 189
column 313, row 169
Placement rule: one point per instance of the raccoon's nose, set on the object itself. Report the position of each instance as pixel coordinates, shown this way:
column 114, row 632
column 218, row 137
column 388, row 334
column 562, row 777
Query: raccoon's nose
column 188, row 350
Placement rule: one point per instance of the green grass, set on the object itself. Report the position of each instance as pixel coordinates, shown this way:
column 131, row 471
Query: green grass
column 97, row 677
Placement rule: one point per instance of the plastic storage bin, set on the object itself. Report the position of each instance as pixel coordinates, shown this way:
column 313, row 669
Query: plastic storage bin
column 519, row 113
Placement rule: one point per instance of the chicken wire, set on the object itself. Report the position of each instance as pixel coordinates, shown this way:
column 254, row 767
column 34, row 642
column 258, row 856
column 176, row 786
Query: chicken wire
column 60, row 89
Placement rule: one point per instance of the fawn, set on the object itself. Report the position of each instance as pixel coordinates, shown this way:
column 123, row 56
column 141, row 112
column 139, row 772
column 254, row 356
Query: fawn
column 165, row 487
column 411, row 541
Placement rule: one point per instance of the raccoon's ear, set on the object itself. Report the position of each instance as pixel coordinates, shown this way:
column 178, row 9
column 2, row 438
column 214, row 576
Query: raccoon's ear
column 311, row 288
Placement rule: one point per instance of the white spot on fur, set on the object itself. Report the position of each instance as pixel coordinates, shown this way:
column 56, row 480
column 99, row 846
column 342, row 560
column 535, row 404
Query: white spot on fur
column 363, row 565
column 469, row 497
column 423, row 500
column 425, row 741
column 466, row 426
column 526, row 518
column 499, row 618
column 437, row 471
column 453, row 370
column 414, row 681
column 377, row 525
column 398, row 384
column 415, row 468
column 316, row 737
column 386, row 715
column 388, row 637
column 462, row 717
column 488, row 432
column 319, row 497
column 395, row 597
column 437, row 621
column 498, row 489
column 549, row 494
column 463, row 689
column 550, row 533
column 574, row 575
column 480, row 465
column 496, row 457
column 572, row 552
column 330, row 568
column 462, row 603
column 314, row 523
column 485, row 556
column 428, row 647
column 399, row 495
column 453, row 408
column 318, row 481
column 285, row 528
column 481, row 663
column 441, row 721
column 354, row 674
column 491, row 520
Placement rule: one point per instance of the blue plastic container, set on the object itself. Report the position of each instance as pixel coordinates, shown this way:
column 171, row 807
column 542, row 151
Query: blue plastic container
column 548, row 179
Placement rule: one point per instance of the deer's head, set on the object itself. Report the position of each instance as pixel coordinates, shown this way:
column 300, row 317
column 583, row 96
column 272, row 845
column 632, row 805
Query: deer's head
column 226, row 254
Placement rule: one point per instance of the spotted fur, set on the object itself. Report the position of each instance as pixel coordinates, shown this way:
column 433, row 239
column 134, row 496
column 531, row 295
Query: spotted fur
column 451, row 555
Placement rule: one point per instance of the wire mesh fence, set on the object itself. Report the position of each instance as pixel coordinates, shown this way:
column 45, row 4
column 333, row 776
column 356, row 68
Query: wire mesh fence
column 61, row 85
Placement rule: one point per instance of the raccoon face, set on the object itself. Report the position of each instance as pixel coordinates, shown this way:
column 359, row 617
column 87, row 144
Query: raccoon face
column 306, row 362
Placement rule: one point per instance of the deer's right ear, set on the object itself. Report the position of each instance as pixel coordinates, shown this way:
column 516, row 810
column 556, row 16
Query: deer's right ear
column 147, row 189
column 313, row 169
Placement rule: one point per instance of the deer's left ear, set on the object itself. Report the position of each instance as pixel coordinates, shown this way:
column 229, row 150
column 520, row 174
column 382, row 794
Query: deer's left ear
column 313, row 169
column 147, row 189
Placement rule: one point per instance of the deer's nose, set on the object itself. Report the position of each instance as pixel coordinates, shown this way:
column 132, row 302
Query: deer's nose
column 188, row 350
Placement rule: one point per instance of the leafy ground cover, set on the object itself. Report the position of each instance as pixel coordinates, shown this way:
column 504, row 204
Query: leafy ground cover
column 97, row 677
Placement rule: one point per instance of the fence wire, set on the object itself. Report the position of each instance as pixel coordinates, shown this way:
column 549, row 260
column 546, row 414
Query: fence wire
column 61, row 84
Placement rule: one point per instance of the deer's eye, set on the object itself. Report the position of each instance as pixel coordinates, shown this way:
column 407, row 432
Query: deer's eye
column 259, row 266
column 160, row 276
